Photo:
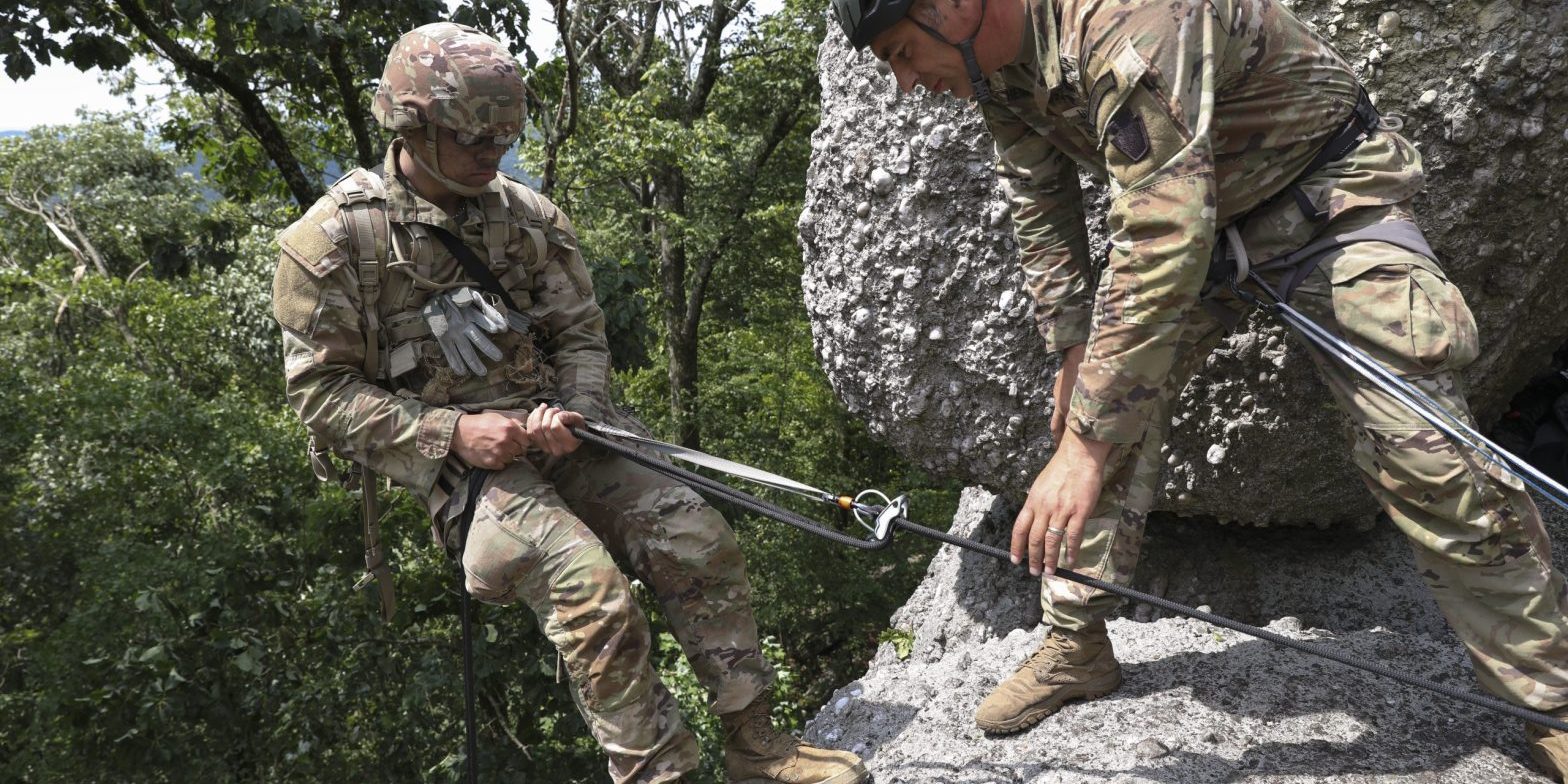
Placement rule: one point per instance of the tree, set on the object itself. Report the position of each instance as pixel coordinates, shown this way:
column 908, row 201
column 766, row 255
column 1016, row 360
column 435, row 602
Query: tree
column 670, row 142
column 277, row 92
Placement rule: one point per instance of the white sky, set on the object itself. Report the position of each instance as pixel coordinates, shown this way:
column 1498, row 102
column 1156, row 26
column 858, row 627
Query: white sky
column 55, row 92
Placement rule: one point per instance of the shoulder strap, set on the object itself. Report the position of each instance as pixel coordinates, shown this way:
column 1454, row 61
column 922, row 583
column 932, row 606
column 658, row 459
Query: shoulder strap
column 475, row 268
column 357, row 194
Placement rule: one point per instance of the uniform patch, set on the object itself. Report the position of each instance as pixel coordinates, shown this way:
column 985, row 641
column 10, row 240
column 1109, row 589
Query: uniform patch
column 1128, row 133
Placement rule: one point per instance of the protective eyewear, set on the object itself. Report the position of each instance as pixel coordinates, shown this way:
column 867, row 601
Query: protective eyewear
column 465, row 139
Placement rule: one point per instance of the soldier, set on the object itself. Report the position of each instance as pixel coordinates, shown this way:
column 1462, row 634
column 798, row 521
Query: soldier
column 405, row 359
column 1214, row 120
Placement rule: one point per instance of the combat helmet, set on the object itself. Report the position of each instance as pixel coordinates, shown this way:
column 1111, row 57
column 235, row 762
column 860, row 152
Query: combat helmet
column 447, row 75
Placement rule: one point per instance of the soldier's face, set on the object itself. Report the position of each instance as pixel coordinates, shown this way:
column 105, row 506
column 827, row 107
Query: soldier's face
column 918, row 58
column 474, row 165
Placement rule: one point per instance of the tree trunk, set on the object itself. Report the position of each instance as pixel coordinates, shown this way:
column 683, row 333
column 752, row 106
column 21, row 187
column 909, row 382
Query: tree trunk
column 353, row 112
column 680, row 323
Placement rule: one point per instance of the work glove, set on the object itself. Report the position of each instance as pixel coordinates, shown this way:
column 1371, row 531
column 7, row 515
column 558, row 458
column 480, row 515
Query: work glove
column 459, row 320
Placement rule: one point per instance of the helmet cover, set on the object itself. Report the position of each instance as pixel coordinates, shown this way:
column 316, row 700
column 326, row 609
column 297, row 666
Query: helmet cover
column 453, row 76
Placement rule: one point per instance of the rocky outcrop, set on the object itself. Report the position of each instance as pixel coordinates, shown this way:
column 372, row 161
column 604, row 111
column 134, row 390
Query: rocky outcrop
column 1199, row 704
column 925, row 332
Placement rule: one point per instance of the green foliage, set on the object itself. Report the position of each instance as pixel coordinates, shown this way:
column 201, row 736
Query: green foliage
column 903, row 640
column 767, row 404
column 130, row 199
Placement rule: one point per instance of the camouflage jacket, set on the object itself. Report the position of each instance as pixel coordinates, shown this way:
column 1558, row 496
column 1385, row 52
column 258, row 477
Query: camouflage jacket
column 401, row 423
column 1193, row 112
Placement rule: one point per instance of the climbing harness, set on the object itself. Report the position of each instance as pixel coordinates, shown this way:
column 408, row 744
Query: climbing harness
column 883, row 519
column 1230, row 265
column 1458, row 431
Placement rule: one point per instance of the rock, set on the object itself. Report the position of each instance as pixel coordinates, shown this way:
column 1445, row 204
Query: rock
column 1222, row 706
column 1149, row 749
column 1463, row 88
column 1388, row 24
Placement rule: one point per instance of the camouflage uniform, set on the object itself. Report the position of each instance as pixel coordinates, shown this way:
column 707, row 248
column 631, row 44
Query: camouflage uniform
column 547, row 532
column 1195, row 113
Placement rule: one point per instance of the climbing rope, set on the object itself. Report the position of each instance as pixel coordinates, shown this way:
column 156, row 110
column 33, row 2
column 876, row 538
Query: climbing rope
column 892, row 515
column 1454, row 427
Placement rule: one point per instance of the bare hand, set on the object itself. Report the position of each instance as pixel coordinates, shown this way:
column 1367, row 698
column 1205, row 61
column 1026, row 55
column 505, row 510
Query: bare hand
column 1062, row 390
column 550, row 429
column 1060, row 502
column 489, row 439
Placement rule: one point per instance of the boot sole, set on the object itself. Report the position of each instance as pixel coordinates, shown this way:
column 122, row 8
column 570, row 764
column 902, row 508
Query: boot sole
column 1092, row 690
column 854, row 775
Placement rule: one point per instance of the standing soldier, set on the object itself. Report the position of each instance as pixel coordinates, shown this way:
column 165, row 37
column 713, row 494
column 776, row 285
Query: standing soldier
column 421, row 364
column 1215, row 120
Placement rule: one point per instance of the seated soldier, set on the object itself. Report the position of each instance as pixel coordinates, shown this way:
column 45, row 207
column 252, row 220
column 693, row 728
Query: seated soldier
column 411, row 361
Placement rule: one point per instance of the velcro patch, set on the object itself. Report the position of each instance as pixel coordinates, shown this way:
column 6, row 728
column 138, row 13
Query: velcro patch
column 1128, row 133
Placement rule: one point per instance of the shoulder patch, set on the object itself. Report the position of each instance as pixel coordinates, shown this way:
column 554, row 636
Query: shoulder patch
column 1127, row 132
column 316, row 241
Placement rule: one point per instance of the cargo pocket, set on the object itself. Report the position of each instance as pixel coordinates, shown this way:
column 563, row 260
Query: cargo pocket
column 1404, row 313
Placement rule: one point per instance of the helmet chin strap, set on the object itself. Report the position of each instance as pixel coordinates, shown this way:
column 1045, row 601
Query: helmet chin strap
column 432, row 167
column 966, row 47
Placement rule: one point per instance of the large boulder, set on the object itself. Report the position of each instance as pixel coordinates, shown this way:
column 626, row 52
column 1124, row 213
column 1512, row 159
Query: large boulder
column 925, row 331
column 1199, row 703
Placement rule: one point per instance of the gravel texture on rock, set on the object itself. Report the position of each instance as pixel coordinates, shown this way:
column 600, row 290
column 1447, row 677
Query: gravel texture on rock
column 925, row 331
column 1200, row 704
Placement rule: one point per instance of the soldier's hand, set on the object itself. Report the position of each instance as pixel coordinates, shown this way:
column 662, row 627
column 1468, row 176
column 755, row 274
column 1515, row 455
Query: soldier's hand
column 1062, row 390
column 550, row 428
column 1059, row 504
column 489, row 439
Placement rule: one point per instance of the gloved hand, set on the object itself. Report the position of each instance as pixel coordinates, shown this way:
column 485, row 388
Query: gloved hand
column 459, row 320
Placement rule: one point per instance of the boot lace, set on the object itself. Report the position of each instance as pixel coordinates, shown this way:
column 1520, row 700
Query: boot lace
column 1054, row 649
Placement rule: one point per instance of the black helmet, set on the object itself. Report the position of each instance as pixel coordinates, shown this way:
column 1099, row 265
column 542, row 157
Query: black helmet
column 864, row 20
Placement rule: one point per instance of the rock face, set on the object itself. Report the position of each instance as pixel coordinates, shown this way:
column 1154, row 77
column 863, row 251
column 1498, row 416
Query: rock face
column 922, row 324
column 1199, row 703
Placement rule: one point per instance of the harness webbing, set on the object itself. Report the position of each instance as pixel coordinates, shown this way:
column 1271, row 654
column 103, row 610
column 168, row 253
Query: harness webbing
column 766, row 509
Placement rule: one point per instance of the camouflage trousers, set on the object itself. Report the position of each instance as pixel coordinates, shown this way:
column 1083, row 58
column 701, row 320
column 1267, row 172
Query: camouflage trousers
column 1477, row 536
column 552, row 534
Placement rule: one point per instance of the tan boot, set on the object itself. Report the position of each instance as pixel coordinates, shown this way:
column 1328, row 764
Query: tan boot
column 1549, row 748
column 755, row 753
column 1068, row 666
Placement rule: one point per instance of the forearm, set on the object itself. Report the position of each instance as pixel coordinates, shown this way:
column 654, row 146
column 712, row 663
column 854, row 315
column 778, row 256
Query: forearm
column 401, row 438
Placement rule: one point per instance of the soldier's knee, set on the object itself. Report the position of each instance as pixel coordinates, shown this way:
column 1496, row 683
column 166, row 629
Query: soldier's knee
column 490, row 577
column 694, row 531
column 602, row 634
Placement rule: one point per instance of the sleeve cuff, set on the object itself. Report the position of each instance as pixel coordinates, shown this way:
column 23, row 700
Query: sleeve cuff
column 1121, row 419
column 436, row 428
column 1069, row 328
column 588, row 405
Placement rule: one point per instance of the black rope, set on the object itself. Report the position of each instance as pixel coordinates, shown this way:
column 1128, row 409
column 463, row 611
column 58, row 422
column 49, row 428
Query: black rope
column 775, row 512
column 476, row 483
